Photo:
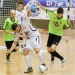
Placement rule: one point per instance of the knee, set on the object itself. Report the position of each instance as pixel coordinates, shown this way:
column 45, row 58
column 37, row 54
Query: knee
column 49, row 50
column 25, row 52
column 53, row 48
column 37, row 50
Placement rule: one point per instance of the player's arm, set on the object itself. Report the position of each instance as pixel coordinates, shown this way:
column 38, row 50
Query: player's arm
column 28, row 11
column 68, row 30
column 44, row 9
column 5, row 28
column 6, row 31
column 16, row 38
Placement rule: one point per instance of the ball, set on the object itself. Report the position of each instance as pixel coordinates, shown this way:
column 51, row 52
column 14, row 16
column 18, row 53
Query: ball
column 33, row 8
column 41, row 69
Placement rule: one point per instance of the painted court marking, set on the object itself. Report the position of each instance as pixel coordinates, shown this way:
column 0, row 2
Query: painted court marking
column 4, row 48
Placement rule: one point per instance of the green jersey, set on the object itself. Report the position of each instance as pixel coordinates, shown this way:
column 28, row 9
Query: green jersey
column 56, row 25
column 7, row 26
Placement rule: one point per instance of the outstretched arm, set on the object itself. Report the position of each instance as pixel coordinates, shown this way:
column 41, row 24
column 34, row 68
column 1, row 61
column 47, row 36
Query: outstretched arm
column 28, row 11
column 12, row 47
column 42, row 7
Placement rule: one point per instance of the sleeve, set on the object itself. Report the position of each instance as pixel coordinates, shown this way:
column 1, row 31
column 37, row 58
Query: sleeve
column 50, row 12
column 5, row 25
column 67, row 23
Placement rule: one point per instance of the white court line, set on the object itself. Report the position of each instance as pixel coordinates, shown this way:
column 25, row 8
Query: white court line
column 4, row 48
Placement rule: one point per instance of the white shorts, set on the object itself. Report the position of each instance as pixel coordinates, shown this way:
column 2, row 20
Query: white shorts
column 33, row 42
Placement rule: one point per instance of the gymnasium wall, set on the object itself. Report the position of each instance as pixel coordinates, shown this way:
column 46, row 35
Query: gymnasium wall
column 38, row 23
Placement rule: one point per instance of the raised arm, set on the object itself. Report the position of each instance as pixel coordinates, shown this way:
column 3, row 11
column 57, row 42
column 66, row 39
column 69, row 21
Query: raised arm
column 28, row 11
column 42, row 7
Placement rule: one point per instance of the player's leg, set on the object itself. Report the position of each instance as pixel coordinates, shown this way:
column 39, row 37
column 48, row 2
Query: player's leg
column 56, row 54
column 27, row 58
column 36, row 46
column 49, row 44
column 53, row 49
column 8, row 45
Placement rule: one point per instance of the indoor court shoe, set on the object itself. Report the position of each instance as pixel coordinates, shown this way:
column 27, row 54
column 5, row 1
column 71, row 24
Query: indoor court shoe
column 51, row 64
column 9, row 61
column 63, row 62
column 45, row 66
column 29, row 70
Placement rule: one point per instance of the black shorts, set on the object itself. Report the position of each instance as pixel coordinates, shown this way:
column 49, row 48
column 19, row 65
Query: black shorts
column 21, row 38
column 9, row 44
column 53, row 39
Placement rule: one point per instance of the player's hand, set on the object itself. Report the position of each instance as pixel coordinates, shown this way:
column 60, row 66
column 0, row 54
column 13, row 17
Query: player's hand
column 27, row 8
column 12, row 32
column 38, row 3
column 67, row 39
column 8, row 52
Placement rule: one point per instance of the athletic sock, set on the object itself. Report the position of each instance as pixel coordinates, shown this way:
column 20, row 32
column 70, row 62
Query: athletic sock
column 7, row 56
column 52, row 57
column 28, row 60
column 41, row 57
column 57, row 55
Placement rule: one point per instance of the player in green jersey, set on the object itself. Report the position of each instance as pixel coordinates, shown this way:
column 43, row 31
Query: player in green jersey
column 55, row 29
column 8, row 38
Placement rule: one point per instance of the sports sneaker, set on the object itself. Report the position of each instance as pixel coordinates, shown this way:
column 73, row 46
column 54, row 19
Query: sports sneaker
column 9, row 61
column 29, row 70
column 51, row 64
column 63, row 62
column 45, row 66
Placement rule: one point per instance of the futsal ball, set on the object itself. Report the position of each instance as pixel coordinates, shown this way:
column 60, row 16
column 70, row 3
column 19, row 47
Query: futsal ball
column 41, row 68
column 33, row 8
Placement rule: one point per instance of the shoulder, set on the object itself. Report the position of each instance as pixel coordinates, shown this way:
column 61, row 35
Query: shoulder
column 64, row 17
column 7, row 20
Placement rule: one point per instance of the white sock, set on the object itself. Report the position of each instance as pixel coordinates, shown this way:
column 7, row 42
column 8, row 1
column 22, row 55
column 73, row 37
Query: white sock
column 41, row 57
column 28, row 60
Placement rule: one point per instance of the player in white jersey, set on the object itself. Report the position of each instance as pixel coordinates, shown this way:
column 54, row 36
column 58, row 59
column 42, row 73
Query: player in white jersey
column 33, row 40
column 20, row 14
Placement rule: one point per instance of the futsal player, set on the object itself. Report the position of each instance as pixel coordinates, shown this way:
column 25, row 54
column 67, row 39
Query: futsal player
column 33, row 40
column 55, row 29
column 8, row 38
column 20, row 13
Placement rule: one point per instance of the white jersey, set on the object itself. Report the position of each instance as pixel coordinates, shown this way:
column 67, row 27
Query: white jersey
column 20, row 15
column 27, row 29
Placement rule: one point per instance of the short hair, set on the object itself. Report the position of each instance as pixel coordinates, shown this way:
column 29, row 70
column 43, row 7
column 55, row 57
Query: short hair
column 20, row 3
column 14, row 26
column 60, row 10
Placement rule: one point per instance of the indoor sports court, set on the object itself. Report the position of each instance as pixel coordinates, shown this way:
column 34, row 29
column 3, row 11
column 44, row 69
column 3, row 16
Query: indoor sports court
column 19, row 65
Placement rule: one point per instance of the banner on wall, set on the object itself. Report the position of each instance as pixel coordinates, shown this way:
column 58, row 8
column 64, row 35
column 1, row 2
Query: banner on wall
column 52, row 5
column 72, row 10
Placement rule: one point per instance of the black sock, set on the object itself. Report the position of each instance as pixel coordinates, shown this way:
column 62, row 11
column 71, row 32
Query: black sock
column 57, row 55
column 44, row 64
column 8, row 56
column 52, row 57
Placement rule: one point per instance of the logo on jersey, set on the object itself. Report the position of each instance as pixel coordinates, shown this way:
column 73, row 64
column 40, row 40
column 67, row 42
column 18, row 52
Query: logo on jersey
column 34, row 8
column 56, row 23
